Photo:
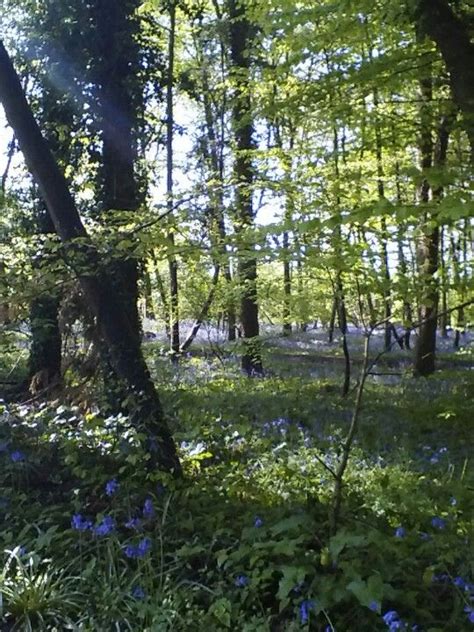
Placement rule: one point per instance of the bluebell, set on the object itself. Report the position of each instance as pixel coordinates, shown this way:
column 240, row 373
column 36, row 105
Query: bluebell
column 144, row 546
column 79, row 523
column 148, row 509
column 133, row 523
column 469, row 610
column 241, row 581
column 111, row 487
column 438, row 523
column 305, row 608
column 138, row 592
column 105, row 527
column 459, row 582
column 390, row 616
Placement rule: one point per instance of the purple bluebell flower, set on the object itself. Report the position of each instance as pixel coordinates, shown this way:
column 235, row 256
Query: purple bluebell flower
column 390, row 616
column 106, row 526
column 17, row 456
column 305, row 608
column 140, row 550
column 374, row 606
column 79, row 523
column 425, row 536
column 469, row 610
column 438, row 523
column 241, row 581
column 138, row 592
column 133, row 523
column 258, row 522
column 453, row 502
column 111, row 487
column 144, row 546
column 459, row 582
column 400, row 532
column 131, row 551
column 148, row 509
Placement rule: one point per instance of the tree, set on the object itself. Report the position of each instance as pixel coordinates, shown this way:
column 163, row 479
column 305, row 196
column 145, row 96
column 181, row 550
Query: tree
column 240, row 31
column 451, row 33
column 80, row 253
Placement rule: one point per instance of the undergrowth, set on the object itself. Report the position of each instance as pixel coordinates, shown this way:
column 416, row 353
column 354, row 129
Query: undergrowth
column 92, row 542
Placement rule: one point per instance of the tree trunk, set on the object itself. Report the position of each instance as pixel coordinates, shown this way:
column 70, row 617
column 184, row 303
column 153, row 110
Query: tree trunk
column 386, row 293
column 45, row 351
column 240, row 39
column 451, row 33
column 286, row 285
column 80, row 253
column 402, row 266
column 443, row 319
column 332, row 320
column 172, row 261
column 427, row 246
column 119, row 97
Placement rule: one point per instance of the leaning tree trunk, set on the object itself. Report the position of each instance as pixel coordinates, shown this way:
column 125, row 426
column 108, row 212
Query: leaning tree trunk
column 451, row 33
column 112, row 318
column 240, row 39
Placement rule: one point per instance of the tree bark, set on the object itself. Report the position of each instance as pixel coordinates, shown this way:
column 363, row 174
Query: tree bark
column 428, row 247
column 172, row 261
column 80, row 253
column 119, row 97
column 451, row 33
column 46, row 342
column 386, row 292
column 240, row 39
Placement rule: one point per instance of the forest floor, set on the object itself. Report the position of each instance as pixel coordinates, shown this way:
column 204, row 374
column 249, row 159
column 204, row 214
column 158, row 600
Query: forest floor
column 94, row 542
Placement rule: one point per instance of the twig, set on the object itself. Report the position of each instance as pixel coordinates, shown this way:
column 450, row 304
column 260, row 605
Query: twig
column 347, row 445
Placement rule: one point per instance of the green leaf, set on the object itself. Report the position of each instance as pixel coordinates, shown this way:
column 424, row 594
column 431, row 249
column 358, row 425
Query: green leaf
column 221, row 610
column 345, row 539
column 292, row 576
